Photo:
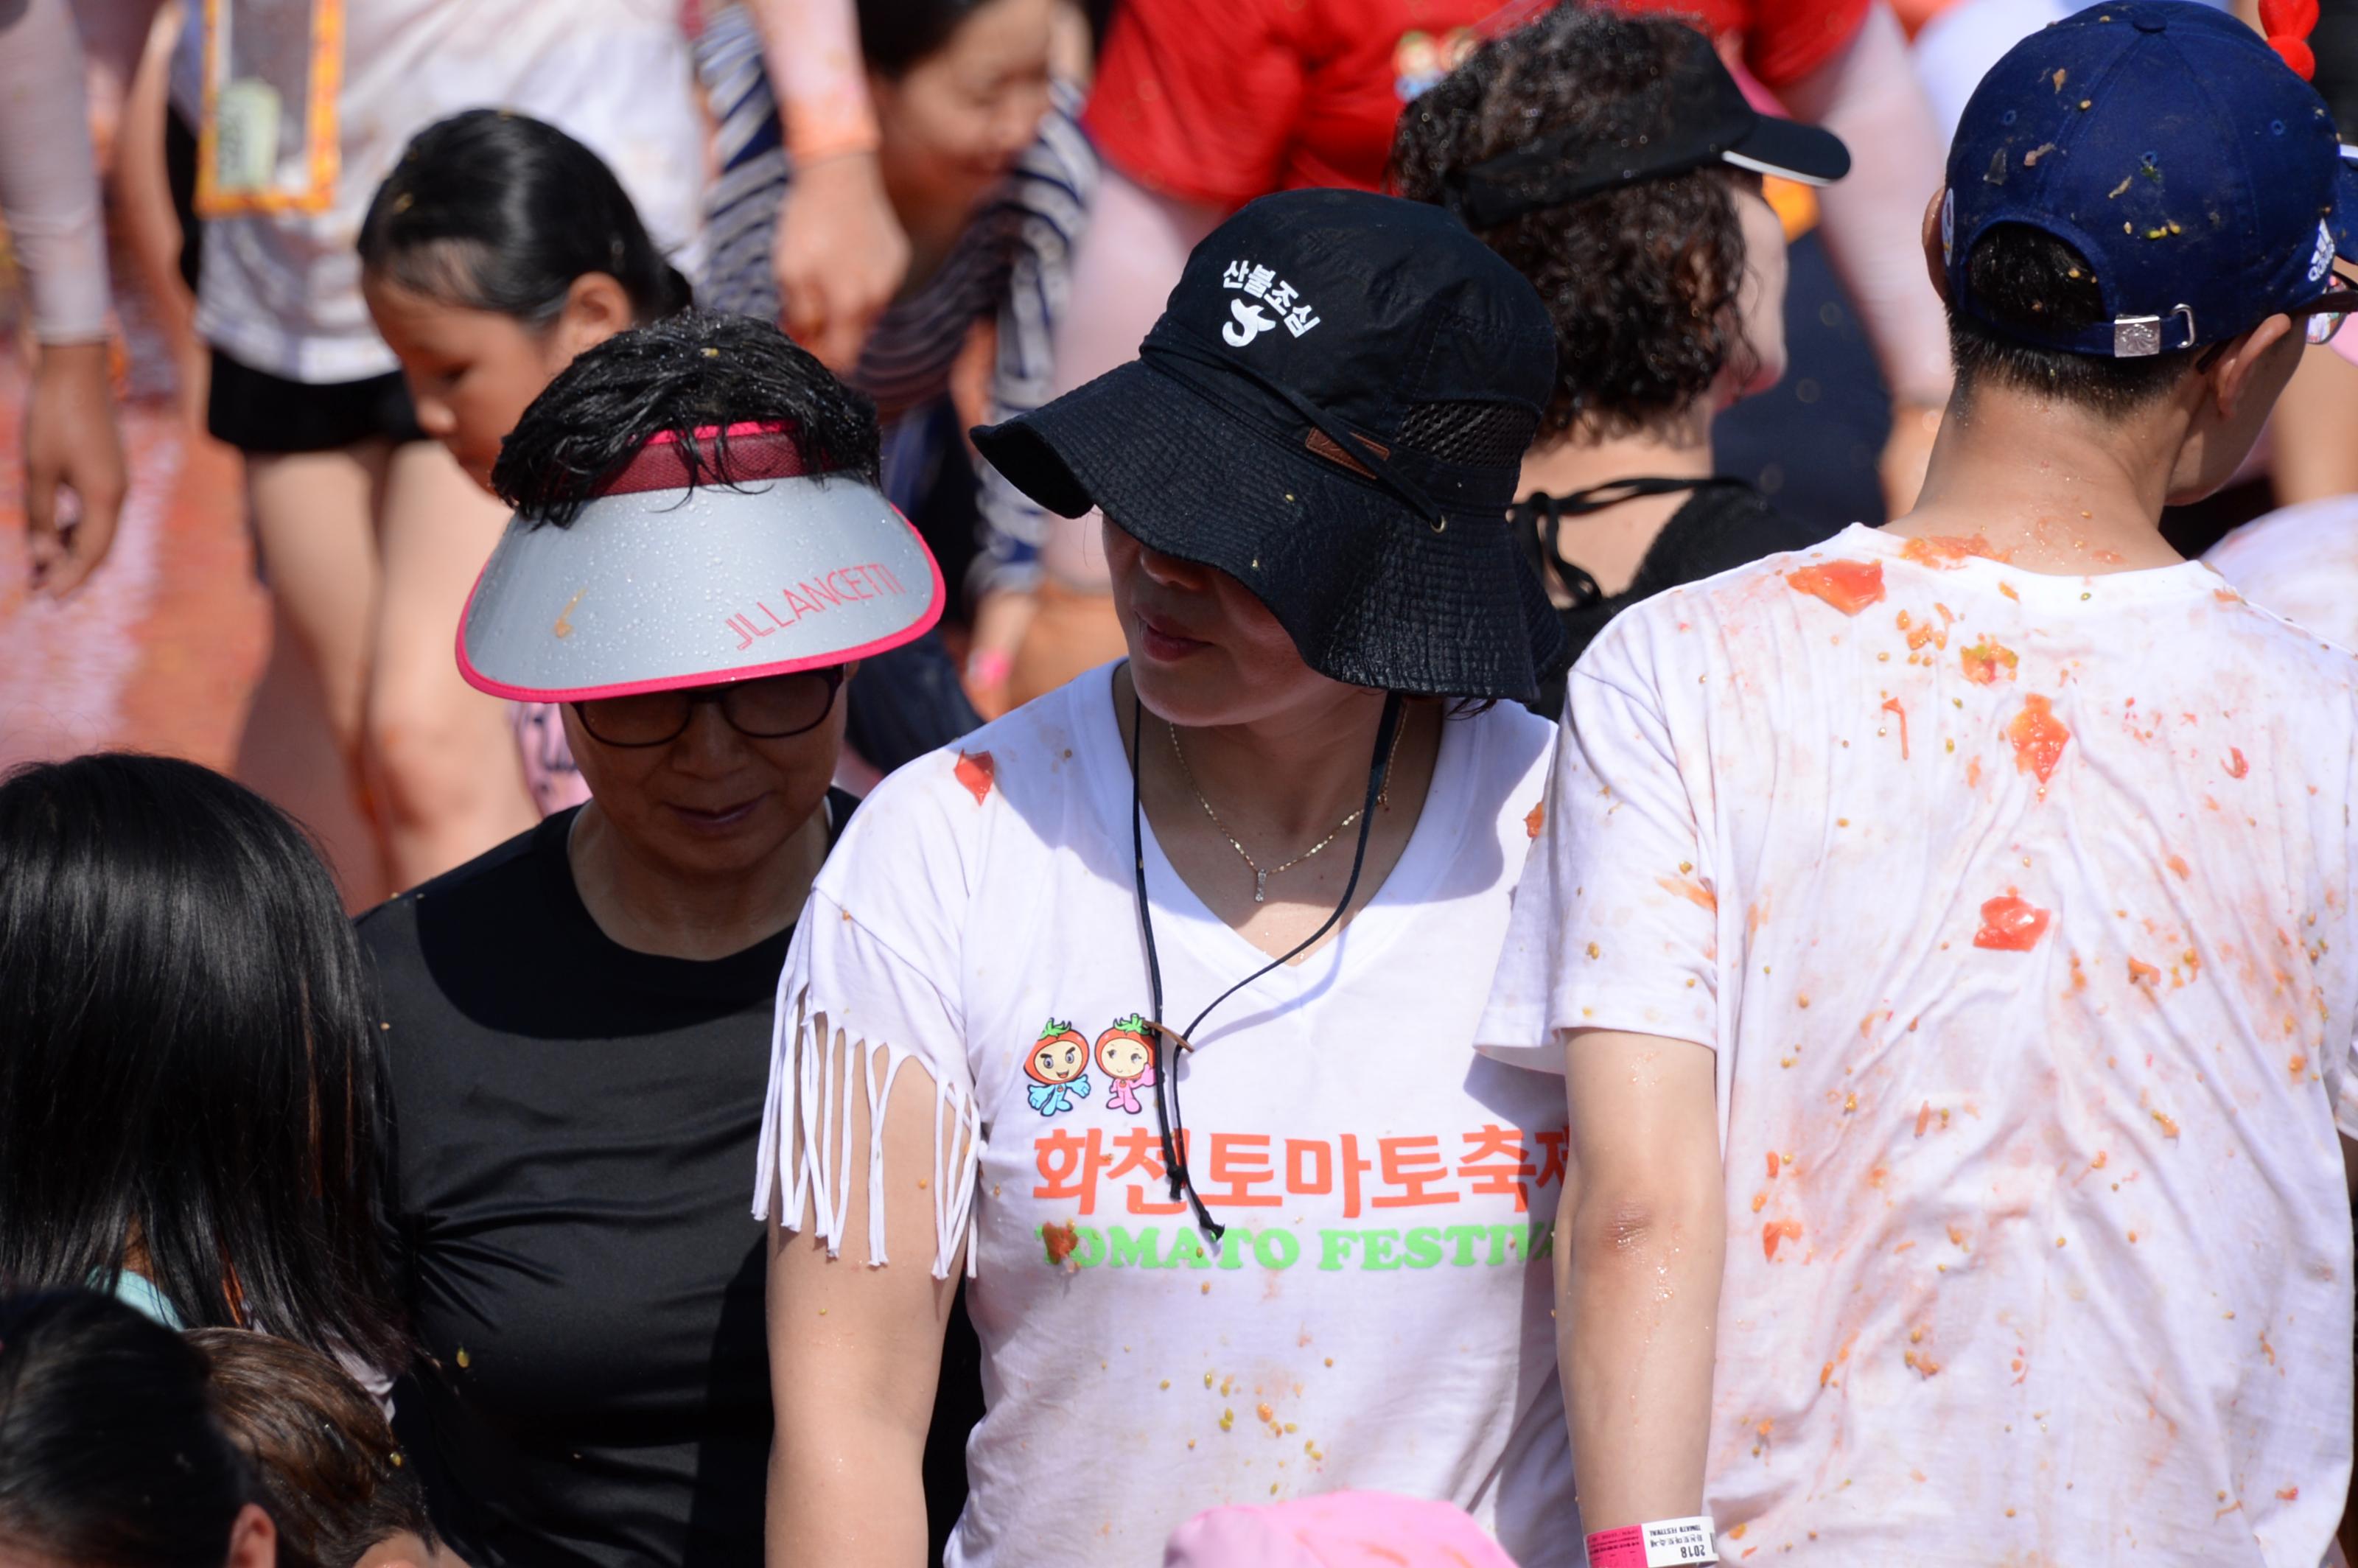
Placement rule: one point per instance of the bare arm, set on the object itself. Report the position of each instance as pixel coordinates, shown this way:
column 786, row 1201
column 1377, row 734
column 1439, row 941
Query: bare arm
column 48, row 191
column 1123, row 270
column 840, row 252
column 855, row 1351
column 1640, row 1239
column 1868, row 95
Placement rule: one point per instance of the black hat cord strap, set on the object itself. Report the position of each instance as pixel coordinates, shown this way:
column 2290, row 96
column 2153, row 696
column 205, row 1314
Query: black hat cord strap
column 1546, row 511
column 1168, row 1118
column 1347, row 440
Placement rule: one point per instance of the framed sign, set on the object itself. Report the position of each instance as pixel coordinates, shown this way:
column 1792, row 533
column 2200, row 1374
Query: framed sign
column 272, row 71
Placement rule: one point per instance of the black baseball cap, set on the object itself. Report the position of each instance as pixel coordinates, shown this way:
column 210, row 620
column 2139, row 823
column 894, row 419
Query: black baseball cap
column 1692, row 115
column 2168, row 145
column 1332, row 409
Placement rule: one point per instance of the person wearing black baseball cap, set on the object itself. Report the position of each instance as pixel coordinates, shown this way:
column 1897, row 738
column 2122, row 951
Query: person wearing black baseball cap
column 1264, row 864
column 1946, row 933
column 1570, row 146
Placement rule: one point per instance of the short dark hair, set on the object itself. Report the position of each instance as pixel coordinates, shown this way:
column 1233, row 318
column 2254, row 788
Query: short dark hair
column 2029, row 279
column 895, row 35
column 1641, row 281
column 109, row 1450
column 330, row 1472
column 696, row 371
column 495, row 211
column 186, row 1057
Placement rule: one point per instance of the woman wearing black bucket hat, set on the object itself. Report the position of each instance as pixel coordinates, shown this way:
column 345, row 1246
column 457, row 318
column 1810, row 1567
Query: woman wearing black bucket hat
column 1263, row 866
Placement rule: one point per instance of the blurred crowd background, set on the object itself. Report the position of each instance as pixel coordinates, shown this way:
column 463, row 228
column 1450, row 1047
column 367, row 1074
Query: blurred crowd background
column 177, row 643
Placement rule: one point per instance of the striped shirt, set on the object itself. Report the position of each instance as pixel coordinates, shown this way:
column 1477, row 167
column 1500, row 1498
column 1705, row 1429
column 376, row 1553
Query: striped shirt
column 1012, row 263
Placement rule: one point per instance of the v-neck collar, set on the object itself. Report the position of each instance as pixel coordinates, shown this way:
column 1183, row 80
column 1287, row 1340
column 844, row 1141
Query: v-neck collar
column 1182, row 916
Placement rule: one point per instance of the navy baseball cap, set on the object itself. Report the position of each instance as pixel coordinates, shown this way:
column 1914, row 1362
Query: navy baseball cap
column 2168, row 145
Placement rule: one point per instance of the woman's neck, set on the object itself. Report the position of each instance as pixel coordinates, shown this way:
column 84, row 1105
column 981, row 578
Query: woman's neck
column 1288, row 777
column 1678, row 446
column 649, row 908
column 1611, row 545
column 1281, row 787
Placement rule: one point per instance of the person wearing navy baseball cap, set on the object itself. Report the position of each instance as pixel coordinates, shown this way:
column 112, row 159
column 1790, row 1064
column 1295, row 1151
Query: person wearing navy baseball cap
column 1946, row 933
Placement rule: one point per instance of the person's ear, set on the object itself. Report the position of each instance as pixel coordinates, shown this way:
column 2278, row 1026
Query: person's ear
column 850, row 668
column 1934, row 262
column 596, row 308
column 2231, row 378
column 253, row 1540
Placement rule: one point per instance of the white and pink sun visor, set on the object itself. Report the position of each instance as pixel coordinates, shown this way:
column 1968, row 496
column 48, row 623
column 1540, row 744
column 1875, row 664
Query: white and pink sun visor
column 657, row 584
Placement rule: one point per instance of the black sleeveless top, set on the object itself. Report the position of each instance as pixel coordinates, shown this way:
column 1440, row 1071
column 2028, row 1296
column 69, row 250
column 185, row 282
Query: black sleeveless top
column 1724, row 523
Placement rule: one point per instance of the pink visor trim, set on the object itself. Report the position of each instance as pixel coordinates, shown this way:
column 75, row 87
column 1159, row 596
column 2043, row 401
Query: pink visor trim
column 743, row 454
column 672, row 590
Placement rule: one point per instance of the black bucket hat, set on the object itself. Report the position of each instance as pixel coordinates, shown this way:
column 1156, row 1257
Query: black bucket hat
column 1333, row 410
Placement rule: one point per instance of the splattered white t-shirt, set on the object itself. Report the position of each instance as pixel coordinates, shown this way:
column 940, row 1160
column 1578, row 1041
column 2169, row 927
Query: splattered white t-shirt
column 1375, row 1318
column 2018, row 910
column 2301, row 562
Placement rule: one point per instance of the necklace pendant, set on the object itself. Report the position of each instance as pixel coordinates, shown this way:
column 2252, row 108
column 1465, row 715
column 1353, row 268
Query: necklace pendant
column 1261, row 887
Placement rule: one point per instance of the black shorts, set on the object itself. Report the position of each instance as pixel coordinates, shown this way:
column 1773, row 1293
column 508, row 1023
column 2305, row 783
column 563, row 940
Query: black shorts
column 255, row 411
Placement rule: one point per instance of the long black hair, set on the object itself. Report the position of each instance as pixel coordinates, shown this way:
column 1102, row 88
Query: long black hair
column 186, row 1061
column 494, row 210
column 109, row 1451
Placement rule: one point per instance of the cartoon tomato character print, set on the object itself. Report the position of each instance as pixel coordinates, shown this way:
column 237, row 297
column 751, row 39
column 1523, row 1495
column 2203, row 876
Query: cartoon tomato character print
column 1126, row 1052
column 1058, row 1067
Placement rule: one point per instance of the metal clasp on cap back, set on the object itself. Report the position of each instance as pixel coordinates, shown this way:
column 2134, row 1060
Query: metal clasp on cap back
column 2139, row 337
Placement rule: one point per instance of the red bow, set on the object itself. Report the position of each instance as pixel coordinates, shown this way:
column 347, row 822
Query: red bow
column 2287, row 24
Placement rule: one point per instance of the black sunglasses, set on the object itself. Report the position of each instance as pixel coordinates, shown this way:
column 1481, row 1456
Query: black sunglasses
column 768, row 710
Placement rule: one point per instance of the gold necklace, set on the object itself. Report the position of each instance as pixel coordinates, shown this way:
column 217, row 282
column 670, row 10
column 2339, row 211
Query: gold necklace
column 1261, row 878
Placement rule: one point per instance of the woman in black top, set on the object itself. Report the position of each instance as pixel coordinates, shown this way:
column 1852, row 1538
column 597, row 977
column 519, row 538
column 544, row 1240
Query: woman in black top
column 1616, row 163
column 579, row 1022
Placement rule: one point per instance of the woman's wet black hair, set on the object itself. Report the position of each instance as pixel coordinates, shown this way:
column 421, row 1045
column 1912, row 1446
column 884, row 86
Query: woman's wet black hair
column 493, row 211
column 1641, row 281
column 189, row 1076
column 109, row 1450
column 696, row 371
column 895, row 35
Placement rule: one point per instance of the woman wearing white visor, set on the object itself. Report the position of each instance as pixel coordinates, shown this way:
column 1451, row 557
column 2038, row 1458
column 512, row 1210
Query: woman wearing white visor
column 577, row 1023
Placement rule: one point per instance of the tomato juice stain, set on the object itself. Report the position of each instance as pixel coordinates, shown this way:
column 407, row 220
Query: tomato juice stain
column 1849, row 585
column 2038, row 737
column 2011, row 925
column 975, row 773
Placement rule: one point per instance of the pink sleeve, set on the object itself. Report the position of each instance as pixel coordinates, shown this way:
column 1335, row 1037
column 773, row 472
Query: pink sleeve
column 1867, row 94
column 49, row 178
column 812, row 49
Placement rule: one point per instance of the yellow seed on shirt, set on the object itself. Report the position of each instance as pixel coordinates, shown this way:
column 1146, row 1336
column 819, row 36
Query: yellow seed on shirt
column 1166, row 1382
column 462, row 1358
column 1593, row 951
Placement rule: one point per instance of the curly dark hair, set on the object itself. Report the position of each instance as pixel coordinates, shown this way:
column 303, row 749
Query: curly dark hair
column 1641, row 281
column 685, row 373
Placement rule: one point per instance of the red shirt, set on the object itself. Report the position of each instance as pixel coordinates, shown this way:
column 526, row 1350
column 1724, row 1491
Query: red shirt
column 1221, row 103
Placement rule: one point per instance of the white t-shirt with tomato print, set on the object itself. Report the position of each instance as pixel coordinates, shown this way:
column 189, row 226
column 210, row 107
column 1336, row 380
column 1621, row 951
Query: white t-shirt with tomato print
column 1378, row 1315
column 2018, row 910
